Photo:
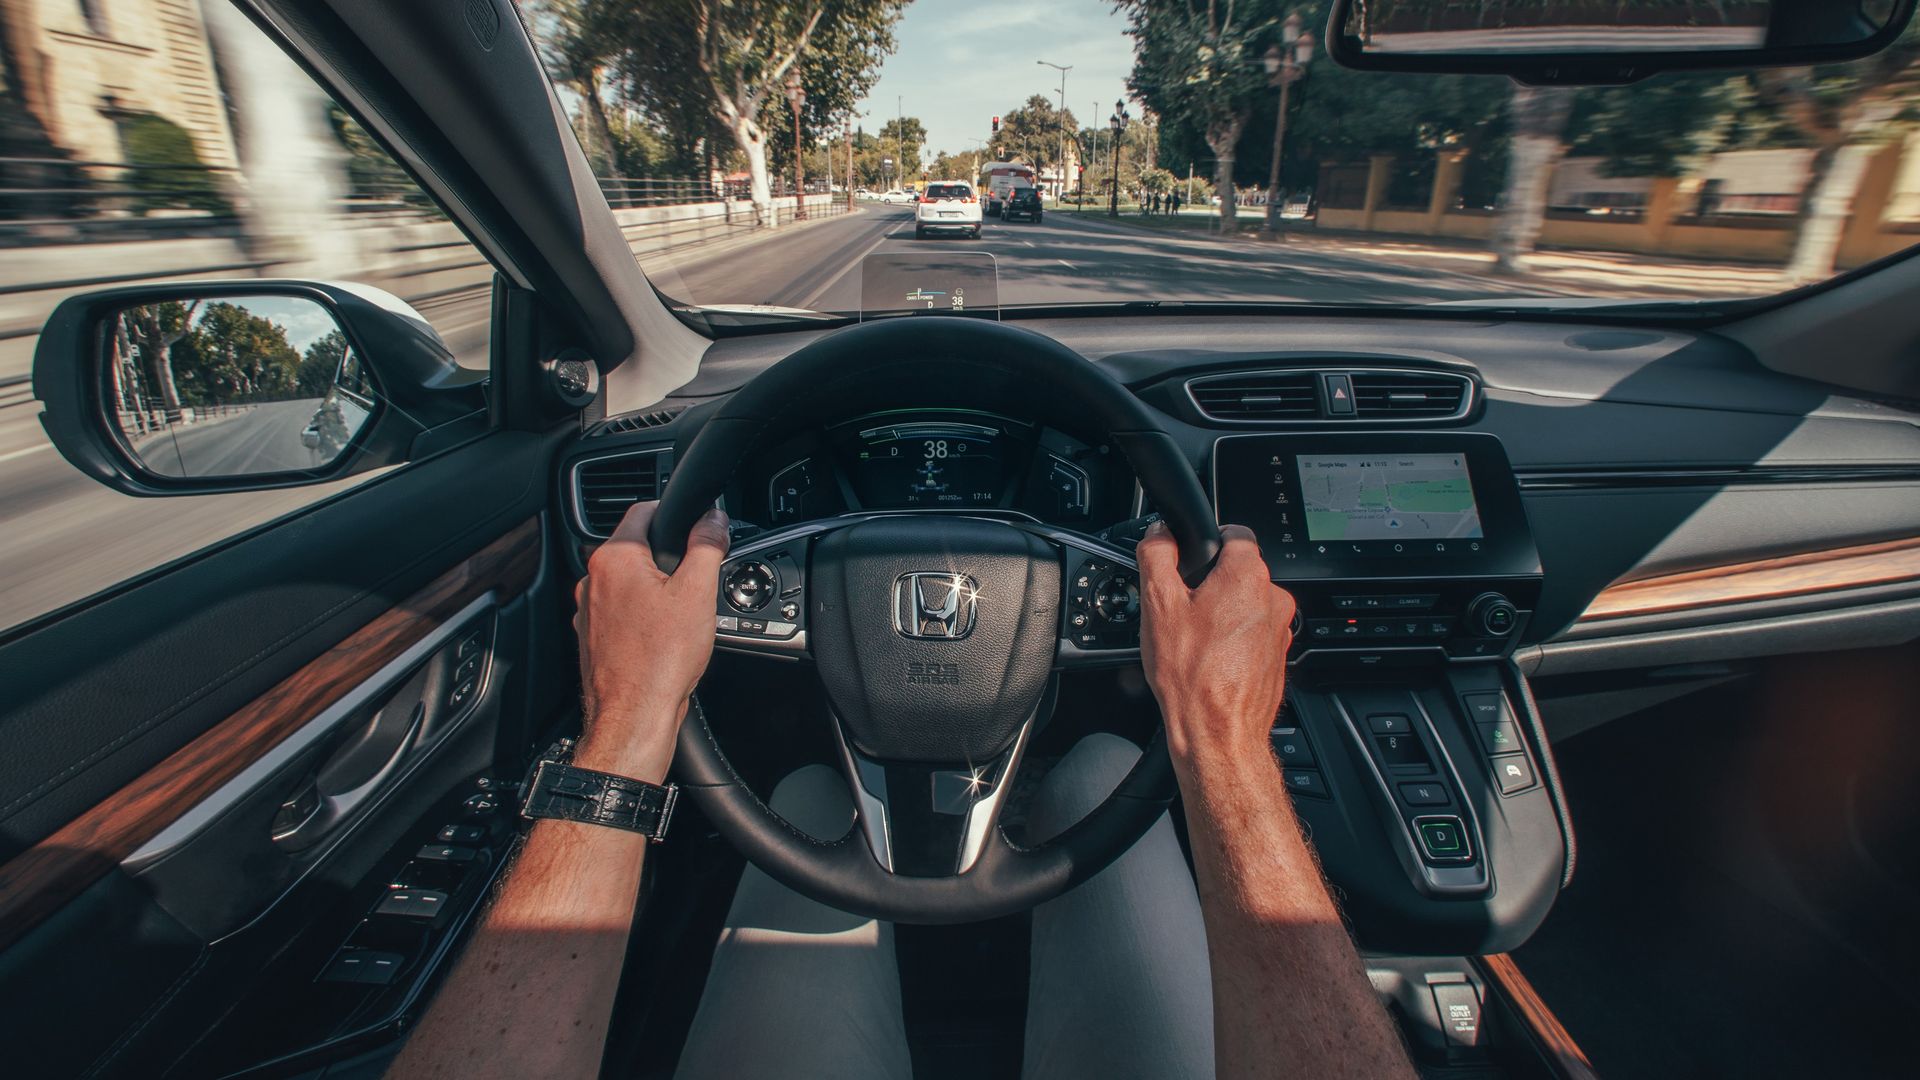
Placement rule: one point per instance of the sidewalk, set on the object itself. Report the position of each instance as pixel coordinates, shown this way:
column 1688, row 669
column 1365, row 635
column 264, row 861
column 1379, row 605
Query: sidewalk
column 1565, row 272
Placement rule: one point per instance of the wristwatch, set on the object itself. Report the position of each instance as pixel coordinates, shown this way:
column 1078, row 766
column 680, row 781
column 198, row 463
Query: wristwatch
column 561, row 791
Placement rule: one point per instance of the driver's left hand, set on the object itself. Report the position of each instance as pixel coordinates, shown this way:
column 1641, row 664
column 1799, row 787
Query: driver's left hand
column 645, row 639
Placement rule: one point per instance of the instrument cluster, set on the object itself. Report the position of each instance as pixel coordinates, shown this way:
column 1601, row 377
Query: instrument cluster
column 925, row 460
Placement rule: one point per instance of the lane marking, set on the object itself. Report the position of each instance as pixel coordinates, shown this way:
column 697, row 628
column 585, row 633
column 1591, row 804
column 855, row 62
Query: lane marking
column 814, row 297
column 1064, row 263
column 11, row 454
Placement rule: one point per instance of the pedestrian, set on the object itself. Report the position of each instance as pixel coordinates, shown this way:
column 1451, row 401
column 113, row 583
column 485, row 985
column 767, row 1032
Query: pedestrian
column 1156, row 202
column 1173, row 203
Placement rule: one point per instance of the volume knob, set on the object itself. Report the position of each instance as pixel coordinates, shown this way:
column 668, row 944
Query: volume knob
column 1492, row 615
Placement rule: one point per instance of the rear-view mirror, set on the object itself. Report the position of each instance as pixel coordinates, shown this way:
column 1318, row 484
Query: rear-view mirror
column 203, row 387
column 1606, row 41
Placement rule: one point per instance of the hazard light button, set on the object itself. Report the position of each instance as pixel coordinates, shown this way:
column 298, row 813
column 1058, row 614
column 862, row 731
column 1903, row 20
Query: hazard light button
column 1339, row 395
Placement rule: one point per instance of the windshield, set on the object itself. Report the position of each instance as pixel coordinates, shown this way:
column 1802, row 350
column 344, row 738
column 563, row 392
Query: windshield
column 1174, row 171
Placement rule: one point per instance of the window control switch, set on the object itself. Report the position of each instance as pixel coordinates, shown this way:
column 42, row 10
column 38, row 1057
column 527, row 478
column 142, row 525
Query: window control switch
column 424, row 904
column 370, row 967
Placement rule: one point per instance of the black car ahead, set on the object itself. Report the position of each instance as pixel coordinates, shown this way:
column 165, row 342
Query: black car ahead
column 1023, row 202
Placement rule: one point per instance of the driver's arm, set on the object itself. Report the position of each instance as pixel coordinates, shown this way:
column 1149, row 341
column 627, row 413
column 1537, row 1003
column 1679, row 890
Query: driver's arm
column 1290, row 994
column 533, row 991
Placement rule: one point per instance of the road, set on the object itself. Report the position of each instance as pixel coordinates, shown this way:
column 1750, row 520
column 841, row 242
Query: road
column 1071, row 258
column 67, row 537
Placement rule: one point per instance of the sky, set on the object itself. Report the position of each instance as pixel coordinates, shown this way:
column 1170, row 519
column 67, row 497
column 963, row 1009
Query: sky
column 961, row 62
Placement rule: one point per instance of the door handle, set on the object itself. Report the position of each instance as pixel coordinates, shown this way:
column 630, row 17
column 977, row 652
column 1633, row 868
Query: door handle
column 356, row 773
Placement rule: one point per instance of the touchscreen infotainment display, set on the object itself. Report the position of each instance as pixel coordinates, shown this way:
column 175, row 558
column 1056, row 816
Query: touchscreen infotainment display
column 1404, row 497
column 1339, row 504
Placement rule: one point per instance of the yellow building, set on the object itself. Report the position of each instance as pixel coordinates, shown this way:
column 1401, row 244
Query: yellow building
column 83, row 66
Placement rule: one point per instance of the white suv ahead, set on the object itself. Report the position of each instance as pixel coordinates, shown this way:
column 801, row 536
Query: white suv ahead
column 947, row 204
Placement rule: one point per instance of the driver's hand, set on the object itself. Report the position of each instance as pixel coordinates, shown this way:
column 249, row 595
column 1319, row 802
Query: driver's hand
column 645, row 638
column 1216, row 656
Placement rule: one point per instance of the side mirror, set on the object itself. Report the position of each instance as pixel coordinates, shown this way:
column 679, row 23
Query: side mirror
column 200, row 387
column 1578, row 42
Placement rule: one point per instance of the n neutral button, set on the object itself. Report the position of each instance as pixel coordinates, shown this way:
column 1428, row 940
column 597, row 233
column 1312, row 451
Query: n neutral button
column 1513, row 772
column 1423, row 794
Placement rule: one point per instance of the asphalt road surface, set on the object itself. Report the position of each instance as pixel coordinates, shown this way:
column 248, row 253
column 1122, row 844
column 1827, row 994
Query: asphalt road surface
column 1065, row 258
column 66, row 537
column 263, row 439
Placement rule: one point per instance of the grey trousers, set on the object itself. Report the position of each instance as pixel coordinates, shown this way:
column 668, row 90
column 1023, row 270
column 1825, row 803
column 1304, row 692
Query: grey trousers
column 1119, row 985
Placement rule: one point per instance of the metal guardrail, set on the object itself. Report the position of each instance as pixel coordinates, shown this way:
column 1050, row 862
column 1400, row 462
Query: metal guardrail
column 47, row 200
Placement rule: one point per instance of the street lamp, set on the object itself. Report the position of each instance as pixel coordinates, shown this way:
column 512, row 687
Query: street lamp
column 1118, row 122
column 1285, row 66
column 1060, row 170
column 797, row 96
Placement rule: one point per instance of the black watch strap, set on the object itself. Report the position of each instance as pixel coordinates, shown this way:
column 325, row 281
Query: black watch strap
column 561, row 791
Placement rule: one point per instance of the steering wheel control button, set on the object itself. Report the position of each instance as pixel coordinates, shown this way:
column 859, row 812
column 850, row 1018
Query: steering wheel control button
column 1427, row 794
column 749, row 586
column 729, row 623
column 1512, row 772
column 1501, row 737
column 1306, row 782
column 789, row 610
column 1388, row 724
column 1443, row 838
column 1290, row 743
column 1117, row 600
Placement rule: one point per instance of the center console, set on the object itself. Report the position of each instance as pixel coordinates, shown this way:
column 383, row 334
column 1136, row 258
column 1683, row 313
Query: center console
column 1408, row 740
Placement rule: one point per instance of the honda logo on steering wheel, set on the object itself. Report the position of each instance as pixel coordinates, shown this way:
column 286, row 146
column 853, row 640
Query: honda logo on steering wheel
column 934, row 605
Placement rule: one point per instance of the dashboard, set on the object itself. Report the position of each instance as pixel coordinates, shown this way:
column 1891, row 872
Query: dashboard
column 936, row 460
column 1452, row 503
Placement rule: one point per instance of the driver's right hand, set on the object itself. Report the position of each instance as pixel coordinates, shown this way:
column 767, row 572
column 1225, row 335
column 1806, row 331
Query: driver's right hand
column 1216, row 655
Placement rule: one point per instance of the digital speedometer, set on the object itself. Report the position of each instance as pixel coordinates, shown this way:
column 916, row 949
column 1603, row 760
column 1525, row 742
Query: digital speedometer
column 929, row 465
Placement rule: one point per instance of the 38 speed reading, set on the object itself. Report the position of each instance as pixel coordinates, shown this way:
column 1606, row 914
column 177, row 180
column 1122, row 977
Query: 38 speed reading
column 929, row 466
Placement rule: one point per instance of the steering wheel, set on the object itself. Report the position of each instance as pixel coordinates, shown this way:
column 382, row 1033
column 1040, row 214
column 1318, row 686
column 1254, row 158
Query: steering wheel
column 937, row 636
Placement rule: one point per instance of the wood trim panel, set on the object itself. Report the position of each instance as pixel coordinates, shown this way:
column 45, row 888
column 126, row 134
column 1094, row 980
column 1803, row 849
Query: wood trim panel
column 35, row 883
column 1763, row 579
column 1563, row 1055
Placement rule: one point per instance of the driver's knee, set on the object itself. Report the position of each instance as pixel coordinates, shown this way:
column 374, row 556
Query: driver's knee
column 814, row 800
column 1079, row 783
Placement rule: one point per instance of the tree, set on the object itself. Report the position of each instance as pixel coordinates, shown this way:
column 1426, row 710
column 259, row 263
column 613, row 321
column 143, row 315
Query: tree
column 1538, row 121
column 1843, row 112
column 739, row 54
column 151, row 331
column 1201, row 62
column 901, row 139
column 318, row 365
column 579, row 38
column 231, row 355
column 1034, row 132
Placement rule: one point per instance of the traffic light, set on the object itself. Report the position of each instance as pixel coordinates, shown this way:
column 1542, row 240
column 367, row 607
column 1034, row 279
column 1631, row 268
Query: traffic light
column 996, row 125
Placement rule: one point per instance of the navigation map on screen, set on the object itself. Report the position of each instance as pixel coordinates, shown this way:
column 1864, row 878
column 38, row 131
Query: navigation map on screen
column 1388, row 497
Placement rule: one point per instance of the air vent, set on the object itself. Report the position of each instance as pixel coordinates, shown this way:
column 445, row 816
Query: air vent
column 1258, row 395
column 1409, row 395
column 604, row 487
column 620, row 425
